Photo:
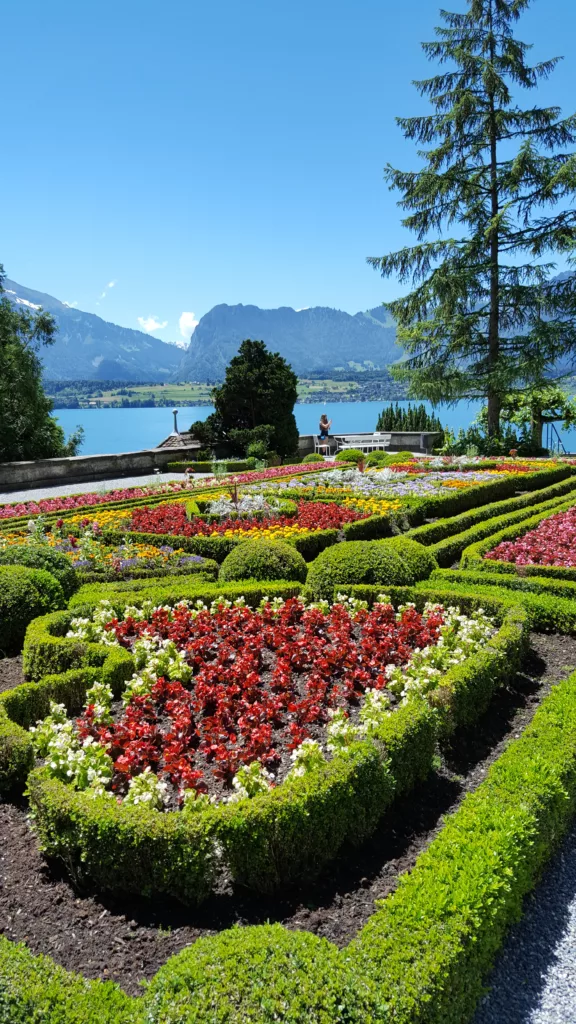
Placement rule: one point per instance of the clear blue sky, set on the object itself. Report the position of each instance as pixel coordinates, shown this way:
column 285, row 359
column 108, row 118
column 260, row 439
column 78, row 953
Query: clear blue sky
column 204, row 152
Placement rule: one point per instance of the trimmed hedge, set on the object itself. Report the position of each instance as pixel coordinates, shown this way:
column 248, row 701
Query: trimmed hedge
column 207, row 570
column 40, row 556
column 357, row 561
column 35, row 990
column 308, row 544
column 373, row 528
column 430, row 946
column 263, row 560
column 313, row 457
column 422, row 958
column 447, row 551
column 420, row 560
column 239, row 466
column 441, row 529
column 473, row 554
column 352, row 455
column 262, row 974
column 293, row 830
column 24, row 595
column 47, row 649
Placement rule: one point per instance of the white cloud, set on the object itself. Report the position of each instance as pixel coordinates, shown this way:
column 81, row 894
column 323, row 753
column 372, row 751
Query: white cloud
column 301, row 310
column 71, row 305
column 103, row 296
column 188, row 325
column 111, row 284
column 151, row 323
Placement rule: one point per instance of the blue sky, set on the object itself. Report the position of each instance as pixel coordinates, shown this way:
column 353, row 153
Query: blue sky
column 162, row 158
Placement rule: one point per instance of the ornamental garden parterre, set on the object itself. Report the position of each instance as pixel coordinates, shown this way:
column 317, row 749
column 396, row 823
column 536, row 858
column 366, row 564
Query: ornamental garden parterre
column 232, row 694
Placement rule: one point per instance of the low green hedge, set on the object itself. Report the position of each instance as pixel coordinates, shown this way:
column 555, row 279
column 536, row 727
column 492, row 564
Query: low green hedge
column 373, row 528
column 207, row 570
column 547, row 612
column 47, row 649
column 308, row 544
column 429, row 948
column 441, row 529
column 293, row 830
column 356, row 561
column 352, row 455
column 473, row 555
column 40, row 556
column 420, row 561
column 422, row 958
column 263, row 560
column 448, row 550
column 264, row 975
column 24, row 595
column 313, row 457
column 35, row 990
column 390, row 562
column 239, row 466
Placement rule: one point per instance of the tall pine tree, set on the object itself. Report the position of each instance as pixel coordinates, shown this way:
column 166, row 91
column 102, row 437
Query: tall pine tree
column 484, row 315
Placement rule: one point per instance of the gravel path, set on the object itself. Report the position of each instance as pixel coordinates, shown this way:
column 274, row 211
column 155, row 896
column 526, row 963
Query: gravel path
column 534, row 981
column 35, row 494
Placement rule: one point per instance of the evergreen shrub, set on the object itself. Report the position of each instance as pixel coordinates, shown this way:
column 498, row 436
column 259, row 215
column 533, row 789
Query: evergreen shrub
column 313, row 457
column 263, row 560
column 356, row 561
column 40, row 556
column 350, row 455
column 24, row 595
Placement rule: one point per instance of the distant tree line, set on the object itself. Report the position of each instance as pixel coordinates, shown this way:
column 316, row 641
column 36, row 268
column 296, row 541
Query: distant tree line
column 393, row 417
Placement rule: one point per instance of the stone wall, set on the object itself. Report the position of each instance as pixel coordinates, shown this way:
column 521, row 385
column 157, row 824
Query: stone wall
column 15, row 476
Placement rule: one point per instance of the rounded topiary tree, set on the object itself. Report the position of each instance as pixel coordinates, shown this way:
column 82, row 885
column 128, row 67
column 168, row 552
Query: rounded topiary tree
column 313, row 457
column 353, row 455
column 419, row 560
column 357, row 561
column 261, row 973
column 24, row 595
column 263, row 560
column 40, row 556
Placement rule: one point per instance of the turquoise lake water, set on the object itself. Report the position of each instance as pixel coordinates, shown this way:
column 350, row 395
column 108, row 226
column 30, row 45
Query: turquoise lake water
column 128, row 430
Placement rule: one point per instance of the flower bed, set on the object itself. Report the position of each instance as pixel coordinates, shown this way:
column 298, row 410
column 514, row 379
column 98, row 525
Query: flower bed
column 222, row 688
column 553, row 542
column 91, row 557
column 280, row 833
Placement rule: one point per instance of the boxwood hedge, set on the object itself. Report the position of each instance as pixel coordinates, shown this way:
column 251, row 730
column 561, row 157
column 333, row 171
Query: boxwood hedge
column 24, row 595
column 280, row 836
column 263, row 560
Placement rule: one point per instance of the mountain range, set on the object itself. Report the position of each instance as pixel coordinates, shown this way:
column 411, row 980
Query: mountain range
column 318, row 338
column 89, row 348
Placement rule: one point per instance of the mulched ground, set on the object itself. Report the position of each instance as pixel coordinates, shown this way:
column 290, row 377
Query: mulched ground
column 127, row 942
column 10, row 673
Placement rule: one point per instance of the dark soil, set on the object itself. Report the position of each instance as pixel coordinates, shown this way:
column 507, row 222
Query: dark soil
column 10, row 673
column 128, row 941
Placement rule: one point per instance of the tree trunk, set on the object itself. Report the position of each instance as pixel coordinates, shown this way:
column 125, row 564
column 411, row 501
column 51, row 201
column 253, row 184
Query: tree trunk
column 494, row 398
column 536, row 426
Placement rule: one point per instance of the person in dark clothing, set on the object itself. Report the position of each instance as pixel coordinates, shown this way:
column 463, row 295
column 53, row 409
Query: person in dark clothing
column 324, row 427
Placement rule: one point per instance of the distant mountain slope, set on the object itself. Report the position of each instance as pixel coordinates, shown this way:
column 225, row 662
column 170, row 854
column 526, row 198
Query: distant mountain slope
column 310, row 339
column 89, row 348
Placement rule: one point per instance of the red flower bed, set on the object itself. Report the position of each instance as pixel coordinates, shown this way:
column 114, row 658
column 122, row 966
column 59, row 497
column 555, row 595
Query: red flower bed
column 171, row 519
column 553, row 542
column 263, row 681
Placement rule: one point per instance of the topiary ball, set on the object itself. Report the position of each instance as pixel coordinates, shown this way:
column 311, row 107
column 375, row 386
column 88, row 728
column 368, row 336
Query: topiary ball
column 356, row 561
column 40, row 556
column 263, row 560
column 24, row 595
column 419, row 559
column 352, row 455
column 262, row 973
column 314, row 457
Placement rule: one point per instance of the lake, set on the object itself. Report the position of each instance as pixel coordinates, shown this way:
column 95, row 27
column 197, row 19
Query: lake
column 127, row 430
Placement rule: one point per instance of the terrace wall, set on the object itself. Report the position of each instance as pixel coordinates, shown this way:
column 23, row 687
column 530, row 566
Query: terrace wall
column 16, row 476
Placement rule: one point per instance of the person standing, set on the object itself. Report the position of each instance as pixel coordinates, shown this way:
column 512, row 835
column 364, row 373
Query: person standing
column 324, row 427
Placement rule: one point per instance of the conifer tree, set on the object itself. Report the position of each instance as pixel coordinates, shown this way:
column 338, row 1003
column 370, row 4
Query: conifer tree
column 485, row 315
